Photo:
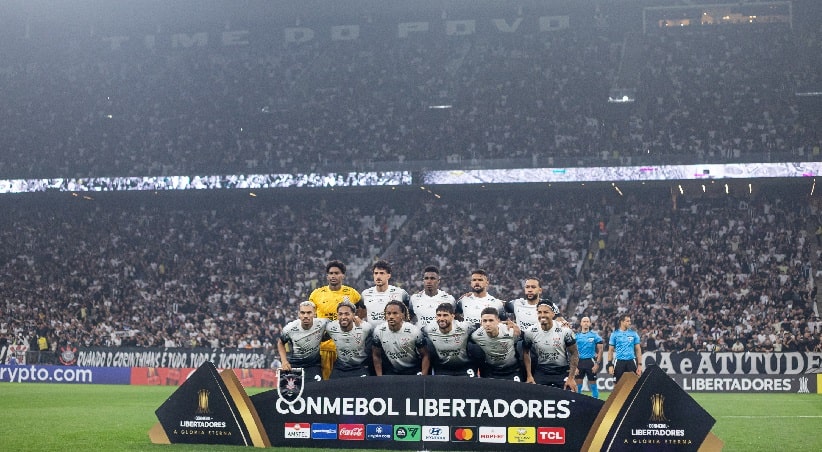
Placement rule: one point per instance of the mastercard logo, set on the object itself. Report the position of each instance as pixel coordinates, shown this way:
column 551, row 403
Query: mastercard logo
column 464, row 434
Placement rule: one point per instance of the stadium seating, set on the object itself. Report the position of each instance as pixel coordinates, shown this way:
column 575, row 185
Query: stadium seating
column 220, row 270
column 534, row 97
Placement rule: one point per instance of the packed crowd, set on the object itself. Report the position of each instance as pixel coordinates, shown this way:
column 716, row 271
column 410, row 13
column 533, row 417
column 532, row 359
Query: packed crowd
column 723, row 93
column 510, row 238
column 224, row 271
column 231, row 273
column 219, row 275
column 726, row 275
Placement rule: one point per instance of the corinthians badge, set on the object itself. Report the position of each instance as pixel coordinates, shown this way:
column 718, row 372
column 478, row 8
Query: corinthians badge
column 290, row 384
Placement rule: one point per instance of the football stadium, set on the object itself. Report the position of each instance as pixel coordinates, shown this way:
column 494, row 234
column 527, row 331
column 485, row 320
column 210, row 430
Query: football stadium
column 216, row 210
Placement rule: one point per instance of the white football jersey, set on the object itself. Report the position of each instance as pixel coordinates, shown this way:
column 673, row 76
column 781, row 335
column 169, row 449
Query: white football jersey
column 374, row 302
column 471, row 307
column 424, row 307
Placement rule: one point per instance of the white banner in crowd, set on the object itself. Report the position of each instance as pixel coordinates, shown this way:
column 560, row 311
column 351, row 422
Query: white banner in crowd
column 231, row 181
column 625, row 173
column 399, row 178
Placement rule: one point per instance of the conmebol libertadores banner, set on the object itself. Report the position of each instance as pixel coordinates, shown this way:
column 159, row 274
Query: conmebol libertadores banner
column 433, row 413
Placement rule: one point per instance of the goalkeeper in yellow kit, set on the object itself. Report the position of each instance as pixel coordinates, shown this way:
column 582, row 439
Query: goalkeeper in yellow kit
column 326, row 298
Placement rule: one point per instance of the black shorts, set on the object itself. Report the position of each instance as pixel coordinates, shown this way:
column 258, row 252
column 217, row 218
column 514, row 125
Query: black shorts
column 624, row 365
column 509, row 373
column 585, row 368
column 311, row 372
column 388, row 369
column 455, row 372
column 356, row 372
column 553, row 380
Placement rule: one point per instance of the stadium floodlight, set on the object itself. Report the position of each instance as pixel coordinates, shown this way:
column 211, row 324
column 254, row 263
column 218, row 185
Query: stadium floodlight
column 621, row 95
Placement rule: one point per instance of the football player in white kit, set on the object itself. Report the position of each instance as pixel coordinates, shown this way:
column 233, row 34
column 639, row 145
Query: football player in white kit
column 374, row 299
column 399, row 346
column 423, row 307
column 352, row 337
column 555, row 348
column 470, row 305
column 304, row 336
column 499, row 342
column 524, row 310
column 449, row 344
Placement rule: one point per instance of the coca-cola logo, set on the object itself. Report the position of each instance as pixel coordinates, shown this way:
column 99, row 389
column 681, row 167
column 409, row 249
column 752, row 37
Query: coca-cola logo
column 351, row 432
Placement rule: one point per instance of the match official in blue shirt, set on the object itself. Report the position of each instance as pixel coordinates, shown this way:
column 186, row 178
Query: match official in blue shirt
column 625, row 342
column 590, row 345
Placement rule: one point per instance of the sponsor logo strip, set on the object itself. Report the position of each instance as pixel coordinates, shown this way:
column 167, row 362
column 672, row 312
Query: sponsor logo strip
column 436, row 433
column 551, row 435
column 378, row 432
column 495, row 435
column 464, row 434
column 296, row 430
column 323, row 431
column 351, row 432
column 407, row 433
column 522, row 435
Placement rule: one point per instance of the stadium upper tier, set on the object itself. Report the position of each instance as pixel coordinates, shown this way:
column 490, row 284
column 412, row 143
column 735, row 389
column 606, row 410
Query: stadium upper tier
column 513, row 85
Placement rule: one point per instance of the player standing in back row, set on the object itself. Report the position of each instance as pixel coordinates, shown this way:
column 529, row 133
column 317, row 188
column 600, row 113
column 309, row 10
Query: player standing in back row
column 524, row 310
column 423, row 307
column 471, row 305
column 374, row 299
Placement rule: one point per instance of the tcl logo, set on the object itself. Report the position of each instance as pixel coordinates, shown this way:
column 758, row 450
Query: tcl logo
column 551, row 435
column 351, row 432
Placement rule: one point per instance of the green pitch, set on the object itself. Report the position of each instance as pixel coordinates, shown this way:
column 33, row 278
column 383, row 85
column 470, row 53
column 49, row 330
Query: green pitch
column 42, row 417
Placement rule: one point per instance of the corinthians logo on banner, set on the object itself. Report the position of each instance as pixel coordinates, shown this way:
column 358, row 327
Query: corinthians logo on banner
column 290, row 384
column 68, row 355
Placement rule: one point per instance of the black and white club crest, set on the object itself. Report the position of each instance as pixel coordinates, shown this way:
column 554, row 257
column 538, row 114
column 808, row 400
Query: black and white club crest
column 290, row 384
